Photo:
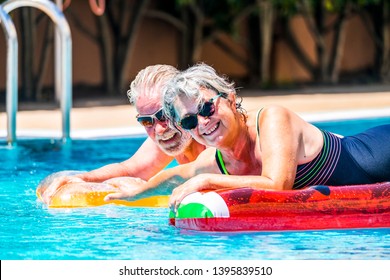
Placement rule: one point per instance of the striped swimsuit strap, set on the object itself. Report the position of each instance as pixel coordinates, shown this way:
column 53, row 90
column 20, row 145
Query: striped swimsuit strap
column 316, row 172
column 320, row 169
column 220, row 162
column 218, row 154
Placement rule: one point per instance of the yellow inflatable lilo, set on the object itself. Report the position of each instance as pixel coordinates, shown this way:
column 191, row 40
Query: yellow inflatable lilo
column 86, row 194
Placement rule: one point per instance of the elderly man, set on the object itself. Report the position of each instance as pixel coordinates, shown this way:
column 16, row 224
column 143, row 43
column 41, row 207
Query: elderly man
column 164, row 143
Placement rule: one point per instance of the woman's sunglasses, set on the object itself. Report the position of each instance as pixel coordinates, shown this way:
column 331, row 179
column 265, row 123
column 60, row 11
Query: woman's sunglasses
column 190, row 121
column 149, row 120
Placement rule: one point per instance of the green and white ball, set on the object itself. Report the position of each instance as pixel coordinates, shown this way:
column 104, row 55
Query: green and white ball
column 202, row 205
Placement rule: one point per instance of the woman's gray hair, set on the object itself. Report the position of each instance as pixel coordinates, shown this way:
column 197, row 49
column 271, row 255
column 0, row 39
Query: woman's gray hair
column 148, row 80
column 189, row 82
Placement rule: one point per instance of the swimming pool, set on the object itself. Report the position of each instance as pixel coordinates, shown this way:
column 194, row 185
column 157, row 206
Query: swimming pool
column 29, row 230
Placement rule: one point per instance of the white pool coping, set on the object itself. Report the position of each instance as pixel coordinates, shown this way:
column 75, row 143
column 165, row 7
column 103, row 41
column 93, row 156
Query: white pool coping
column 346, row 115
column 137, row 131
column 80, row 134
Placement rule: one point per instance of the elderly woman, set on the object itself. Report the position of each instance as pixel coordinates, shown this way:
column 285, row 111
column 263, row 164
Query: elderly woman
column 272, row 148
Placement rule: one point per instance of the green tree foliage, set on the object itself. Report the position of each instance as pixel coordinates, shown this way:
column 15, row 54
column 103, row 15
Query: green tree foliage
column 326, row 67
column 204, row 21
column 253, row 24
column 114, row 33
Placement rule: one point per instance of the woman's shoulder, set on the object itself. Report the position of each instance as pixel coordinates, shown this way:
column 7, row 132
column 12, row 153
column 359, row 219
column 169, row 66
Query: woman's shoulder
column 269, row 111
column 275, row 109
column 205, row 163
column 207, row 153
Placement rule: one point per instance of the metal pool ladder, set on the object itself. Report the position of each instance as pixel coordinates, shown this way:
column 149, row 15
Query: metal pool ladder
column 63, row 62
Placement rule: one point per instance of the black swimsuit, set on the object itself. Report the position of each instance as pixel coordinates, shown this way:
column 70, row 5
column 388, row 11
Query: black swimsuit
column 360, row 159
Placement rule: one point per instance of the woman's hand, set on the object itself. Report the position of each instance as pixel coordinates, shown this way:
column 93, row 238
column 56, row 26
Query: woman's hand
column 128, row 188
column 197, row 183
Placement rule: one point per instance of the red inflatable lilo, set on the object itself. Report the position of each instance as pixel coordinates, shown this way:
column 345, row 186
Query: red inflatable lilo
column 317, row 207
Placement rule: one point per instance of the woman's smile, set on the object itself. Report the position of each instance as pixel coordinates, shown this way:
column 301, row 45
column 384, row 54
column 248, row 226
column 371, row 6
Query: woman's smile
column 212, row 129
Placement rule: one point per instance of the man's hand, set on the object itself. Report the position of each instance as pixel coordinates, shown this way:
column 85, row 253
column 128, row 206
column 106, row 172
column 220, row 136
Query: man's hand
column 49, row 188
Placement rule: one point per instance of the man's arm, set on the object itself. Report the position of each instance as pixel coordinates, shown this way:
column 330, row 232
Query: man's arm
column 147, row 161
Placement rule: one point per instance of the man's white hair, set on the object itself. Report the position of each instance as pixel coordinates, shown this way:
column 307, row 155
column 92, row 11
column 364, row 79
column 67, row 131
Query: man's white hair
column 149, row 80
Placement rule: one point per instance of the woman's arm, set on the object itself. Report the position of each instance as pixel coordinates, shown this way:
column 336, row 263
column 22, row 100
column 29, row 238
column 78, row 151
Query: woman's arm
column 286, row 141
column 165, row 181
column 215, row 182
column 280, row 141
column 283, row 144
column 161, row 184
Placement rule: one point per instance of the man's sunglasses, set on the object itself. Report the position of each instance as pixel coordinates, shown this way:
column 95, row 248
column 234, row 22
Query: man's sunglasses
column 190, row 121
column 148, row 120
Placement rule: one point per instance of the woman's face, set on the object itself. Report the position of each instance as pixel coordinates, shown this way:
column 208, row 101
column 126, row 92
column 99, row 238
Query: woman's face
column 209, row 125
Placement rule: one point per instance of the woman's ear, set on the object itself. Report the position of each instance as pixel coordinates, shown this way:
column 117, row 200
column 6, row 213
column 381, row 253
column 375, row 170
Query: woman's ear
column 232, row 100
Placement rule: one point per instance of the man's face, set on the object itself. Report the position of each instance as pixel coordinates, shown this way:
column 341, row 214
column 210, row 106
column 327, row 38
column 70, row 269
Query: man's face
column 170, row 140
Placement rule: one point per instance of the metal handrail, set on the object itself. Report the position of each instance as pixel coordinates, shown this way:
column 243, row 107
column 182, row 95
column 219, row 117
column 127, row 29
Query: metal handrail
column 11, row 72
column 63, row 65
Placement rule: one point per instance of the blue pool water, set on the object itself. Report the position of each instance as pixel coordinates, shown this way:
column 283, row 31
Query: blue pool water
column 29, row 230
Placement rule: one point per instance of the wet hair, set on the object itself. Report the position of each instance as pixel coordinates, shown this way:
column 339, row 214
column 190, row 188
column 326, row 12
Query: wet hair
column 149, row 80
column 189, row 82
